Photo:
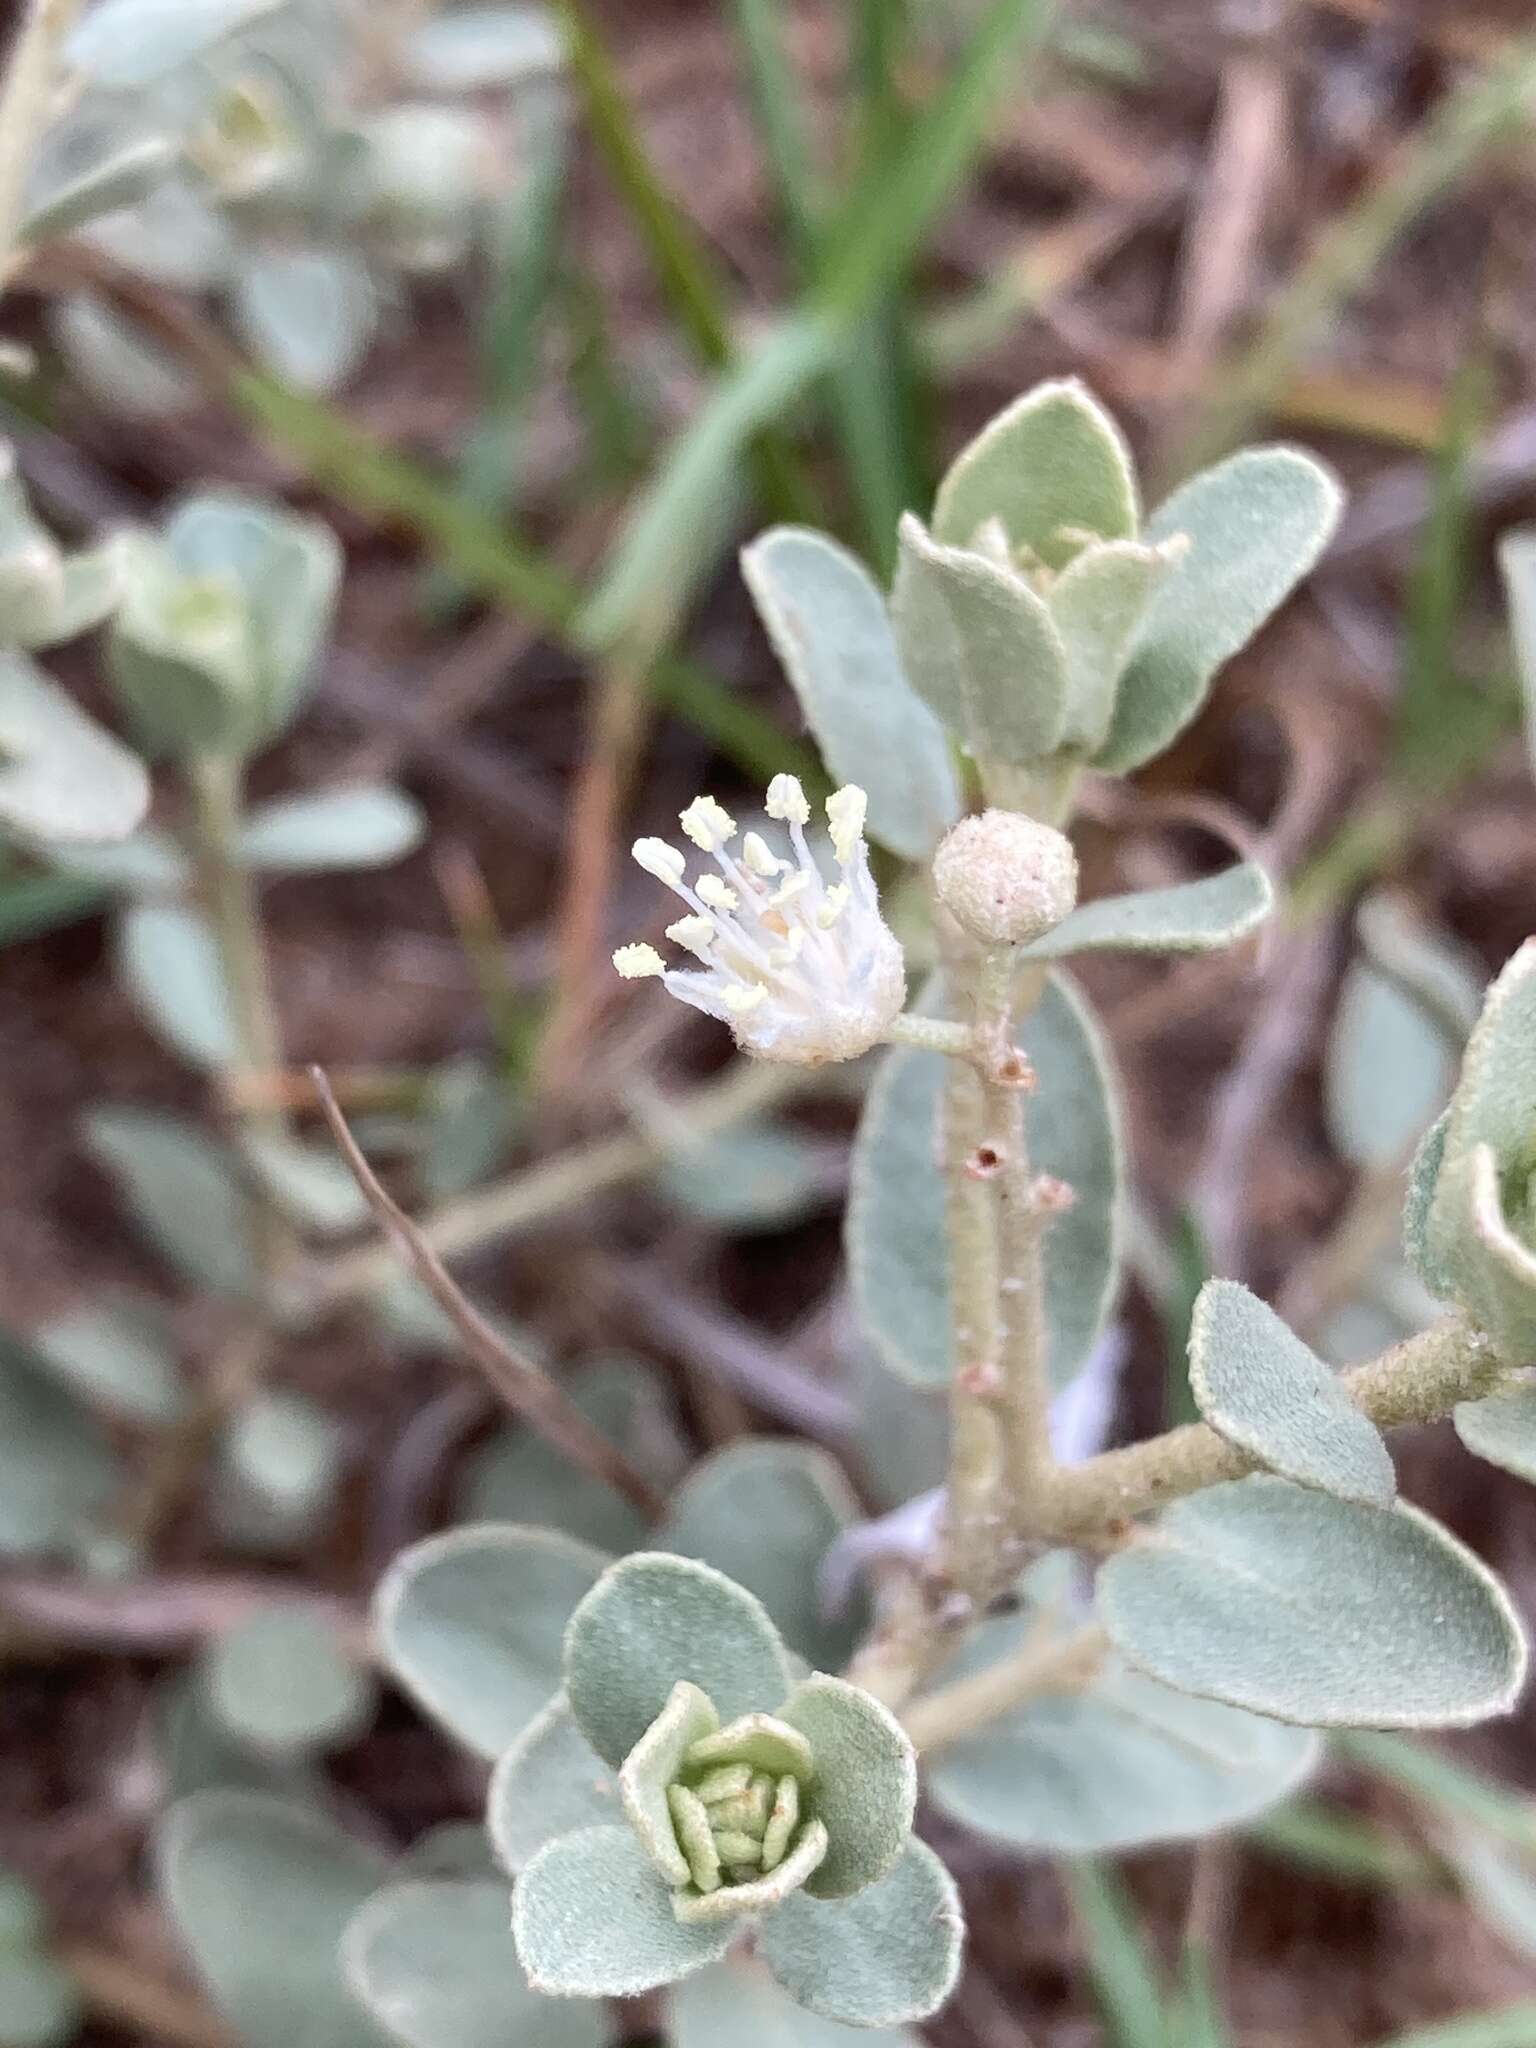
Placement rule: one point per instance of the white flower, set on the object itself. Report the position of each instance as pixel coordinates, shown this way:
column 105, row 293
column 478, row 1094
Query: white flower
column 799, row 968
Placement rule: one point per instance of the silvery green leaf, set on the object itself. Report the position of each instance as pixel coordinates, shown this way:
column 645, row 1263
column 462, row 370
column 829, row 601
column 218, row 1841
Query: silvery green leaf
column 1189, row 917
column 549, row 1782
column 737, row 2001
column 287, row 569
column 176, row 237
column 114, row 181
column 1418, row 1203
column 312, row 1186
column 765, row 1513
column 755, row 1177
column 454, row 1848
column 23, row 1922
column 354, row 825
column 306, row 314
column 980, row 648
column 421, row 178
column 115, row 363
column 1260, row 1387
column 866, row 1782
column 1097, row 604
column 181, row 1190
column 94, row 579
column 888, row 1955
column 894, row 1236
column 652, row 1620
column 472, row 1622
column 119, row 1356
column 1495, row 1099
column 1121, row 1764
column 260, row 1891
column 169, row 961
column 1053, row 459
column 1442, row 974
column 40, row 2005
column 279, row 1462
column 469, row 1114
column 829, row 626
column 62, row 777
column 147, row 862
column 123, row 44
column 1501, row 1429
column 1489, row 1259
column 194, row 1751
column 475, row 46
column 435, row 1965
column 902, row 1433
column 516, row 1476
column 592, row 1918
column 280, row 1681
column 56, row 1465
column 1315, row 1610
column 1517, row 560
column 1256, row 523
column 1389, row 1068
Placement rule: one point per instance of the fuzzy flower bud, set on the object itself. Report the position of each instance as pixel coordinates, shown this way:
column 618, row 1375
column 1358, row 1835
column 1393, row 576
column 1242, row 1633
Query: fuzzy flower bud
column 1006, row 878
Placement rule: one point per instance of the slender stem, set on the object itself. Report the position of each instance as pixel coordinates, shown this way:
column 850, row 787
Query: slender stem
column 214, row 780
column 544, row 1190
column 932, row 1034
column 1061, row 1665
column 24, row 102
column 529, row 1392
column 1419, row 1380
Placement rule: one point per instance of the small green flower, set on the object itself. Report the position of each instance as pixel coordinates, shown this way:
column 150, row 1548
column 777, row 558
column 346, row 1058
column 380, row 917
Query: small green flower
column 749, row 1800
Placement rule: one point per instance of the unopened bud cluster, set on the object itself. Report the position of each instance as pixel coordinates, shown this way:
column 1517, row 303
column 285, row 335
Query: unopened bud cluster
column 1006, row 878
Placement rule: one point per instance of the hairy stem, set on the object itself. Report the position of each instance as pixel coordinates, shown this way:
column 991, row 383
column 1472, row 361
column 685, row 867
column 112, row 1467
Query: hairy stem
column 24, row 102
column 1419, row 1380
column 1036, row 1668
column 214, row 780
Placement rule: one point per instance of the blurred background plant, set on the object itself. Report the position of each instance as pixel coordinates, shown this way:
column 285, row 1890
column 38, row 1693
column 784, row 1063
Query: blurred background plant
column 605, row 292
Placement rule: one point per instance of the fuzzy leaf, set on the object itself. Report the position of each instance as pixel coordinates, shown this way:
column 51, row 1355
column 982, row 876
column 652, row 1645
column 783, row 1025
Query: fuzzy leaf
column 549, row 1782
column 738, row 2002
column 56, row 1465
column 281, row 1682
column 756, row 1177
column 169, row 962
column 40, row 2003
column 1517, row 560
column 118, row 1356
column 125, row 43
column 308, row 1182
column 1190, row 917
column 357, row 825
column 471, row 1623
column 980, row 647
column 1490, row 1267
column 306, row 314
column 866, row 1781
column 894, row 1234
column 517, row 1477
column 1315, row 1610
column 650, row 1768
column 435, row 1965
column 260, row 1891
column 181, row 1190
column 62, row 776
column 1052, row 459
column 829, row 627
column 115, row 362
column 1125, row 1763
column 592, row 1919
column 1256, row 523
column 886, row 1956
column 766, row 1513
column 1389, row 1069
column 652, row 1620
column 1097, row 604
column 1501, row 1429
column 119, row 178
column 1495, row 1099
column 279, row 1462
column 1259, row 1385
column 480, row 45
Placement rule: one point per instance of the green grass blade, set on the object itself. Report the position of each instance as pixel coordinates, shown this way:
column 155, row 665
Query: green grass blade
column 877, row 236
column 781, row 124
column 1199, row 2022
column 32, row 905
column 1334, row 1844
column 1124, row 1981
column 1428, row 1775
column 1513, row 2026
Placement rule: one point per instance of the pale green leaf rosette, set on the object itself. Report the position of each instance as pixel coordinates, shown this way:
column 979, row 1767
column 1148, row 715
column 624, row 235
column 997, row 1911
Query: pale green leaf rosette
column 742, row 1792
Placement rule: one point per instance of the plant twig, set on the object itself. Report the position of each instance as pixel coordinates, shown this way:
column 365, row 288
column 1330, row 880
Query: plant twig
column 24, row 102
column 527, row 1391
column 1034, row 1669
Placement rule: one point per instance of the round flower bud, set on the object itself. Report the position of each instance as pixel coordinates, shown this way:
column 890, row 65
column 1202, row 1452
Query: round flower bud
column 1006, row 878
